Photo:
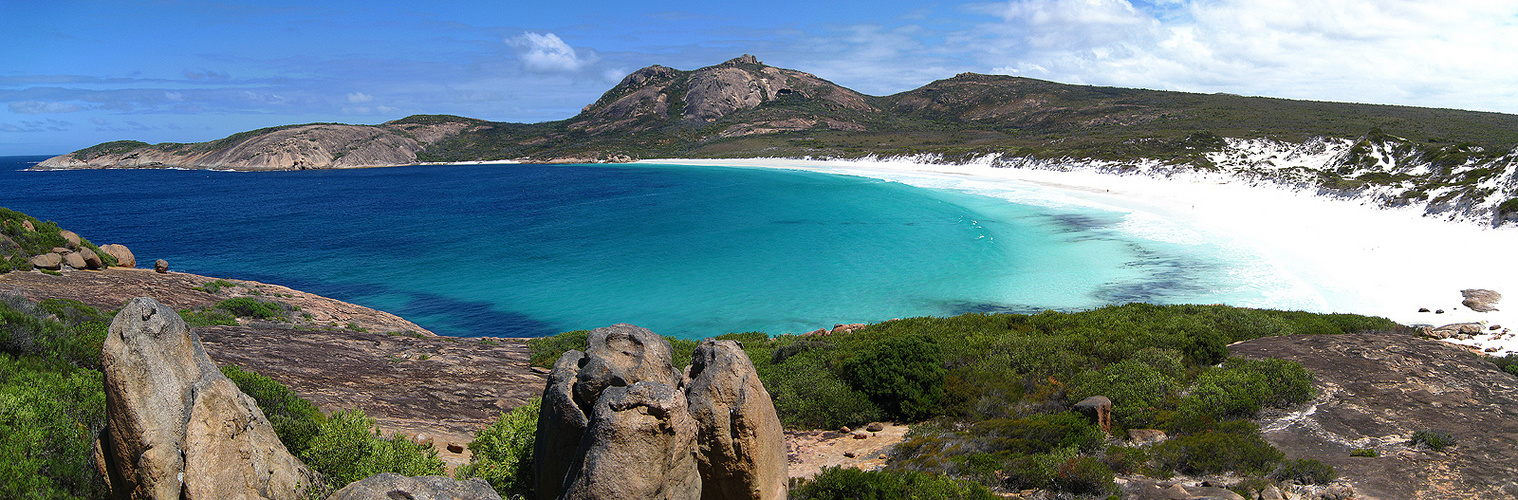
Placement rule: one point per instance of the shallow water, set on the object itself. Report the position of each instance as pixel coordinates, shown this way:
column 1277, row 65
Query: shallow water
column 529, row 250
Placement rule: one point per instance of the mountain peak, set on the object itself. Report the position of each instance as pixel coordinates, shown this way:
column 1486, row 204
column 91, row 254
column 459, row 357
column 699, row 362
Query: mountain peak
column 741, row 60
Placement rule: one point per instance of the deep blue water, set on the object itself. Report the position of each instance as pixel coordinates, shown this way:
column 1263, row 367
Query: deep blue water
column 529, row 250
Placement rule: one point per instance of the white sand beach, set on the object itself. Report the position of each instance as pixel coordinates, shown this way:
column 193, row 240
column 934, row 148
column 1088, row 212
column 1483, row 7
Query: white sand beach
column 1329, row 255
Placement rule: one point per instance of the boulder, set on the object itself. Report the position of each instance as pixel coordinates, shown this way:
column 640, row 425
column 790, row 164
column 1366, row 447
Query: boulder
column 389, row 485
column 741, row 443
column 1480, row 300
column 640, row 444
column 176, row 427
column 8, row 246
column 28, row 225
column 91, row 260
column 615, row 356
column 847, row 328
column 48, row 261
column 561, row 424
column 71, row 238
column 1097, row 409
column 74, row 260
column 161, row 266
column 123, row 255
column 1145, row 436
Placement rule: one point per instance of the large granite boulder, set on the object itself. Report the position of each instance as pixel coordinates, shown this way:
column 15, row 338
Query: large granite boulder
column 641, row 444
column 71, row 239
column 123, row 255
column 91, row 260
column 389, row 486
column 74, row 260
column 615, row 356
column 741, row 442
column 561, row 424
column 179, row 429
column 161, row 266
column 51, row 261
column 1481, row 300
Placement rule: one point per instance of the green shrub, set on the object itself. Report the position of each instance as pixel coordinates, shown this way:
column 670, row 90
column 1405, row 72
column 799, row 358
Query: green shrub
column 1365, row 452
column 902, row 375
column 1205, row 347
column 295, row 420
column 248, row 307
column 1038, row 434
column 808, row 393
column 1215, row 452
column 847, row 483
column 215, row 286
column 1038, row 470
column 1136, row 389
column 60, row 329
column 1125, row 459
column 50, row 414
column 502, row 453
column 198, row 318
column 347, row 448
column 1304, row 471
column 1084, row 476
column 1434, row 440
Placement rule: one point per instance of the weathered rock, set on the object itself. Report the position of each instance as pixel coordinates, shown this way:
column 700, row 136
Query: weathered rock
column 847, row 328
column 640, row 444
column 1376, row 389
column 875, row 427
column 91, row 260
column 47, row 261
column 28, row 225
column 1145, row 436
column 390, row 486
column 74, row 260
column 8, row 247
column 178, row 428
column 71, row 238
column 742, row 444
column 161, row 266
column 616, row 356
column 123, row 255
column 1480, row 300
column 1098, row 409
column 561, row 425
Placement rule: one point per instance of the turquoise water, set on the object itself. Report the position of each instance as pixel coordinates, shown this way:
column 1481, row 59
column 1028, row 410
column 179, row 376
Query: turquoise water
column 528, row 250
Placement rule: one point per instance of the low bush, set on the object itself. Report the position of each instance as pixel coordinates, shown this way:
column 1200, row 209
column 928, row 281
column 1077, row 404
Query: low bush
column 295, row 420
column 1304, row 471
column 347, row 448
column 902, row 375
column 248, row 307
column 848, row 483
column 50, row 414
column 502, row 453
column 1434, row 440
column 197, row 318
column 1214, row 452
column 1084, row 476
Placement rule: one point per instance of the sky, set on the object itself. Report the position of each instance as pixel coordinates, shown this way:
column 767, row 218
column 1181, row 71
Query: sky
column 74, row 74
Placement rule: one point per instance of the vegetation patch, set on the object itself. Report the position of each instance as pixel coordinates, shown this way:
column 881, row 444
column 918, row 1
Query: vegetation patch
column 502, row 453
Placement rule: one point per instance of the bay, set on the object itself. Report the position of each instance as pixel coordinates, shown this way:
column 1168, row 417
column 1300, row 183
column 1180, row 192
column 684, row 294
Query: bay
column 531, row 250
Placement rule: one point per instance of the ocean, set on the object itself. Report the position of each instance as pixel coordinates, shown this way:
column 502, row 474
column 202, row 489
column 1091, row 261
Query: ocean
column 688, row 251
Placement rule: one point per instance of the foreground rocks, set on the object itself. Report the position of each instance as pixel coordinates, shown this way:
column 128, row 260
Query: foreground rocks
column 619, row 421
column 387, row 486
column 179, row 429
column 1375, row 390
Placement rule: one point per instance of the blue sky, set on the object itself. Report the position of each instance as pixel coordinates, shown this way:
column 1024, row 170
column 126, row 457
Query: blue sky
column 74, row 74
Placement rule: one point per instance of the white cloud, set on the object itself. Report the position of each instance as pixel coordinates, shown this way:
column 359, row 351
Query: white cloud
column 1447, row 54
column 359, row 97
column 39, row 107
column 546, row 53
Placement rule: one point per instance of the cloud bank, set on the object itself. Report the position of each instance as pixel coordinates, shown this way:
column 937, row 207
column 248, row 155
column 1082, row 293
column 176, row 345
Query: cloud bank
column 546, row 53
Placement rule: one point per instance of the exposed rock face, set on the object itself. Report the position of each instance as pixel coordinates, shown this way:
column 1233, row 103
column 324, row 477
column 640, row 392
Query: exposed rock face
column 179, row 429
column 1481, row 300
column 389, row 486
column 616, row 356
column 123, row 255
column 640, row 445
column 1099, row 410
column 1375, row 390
column 742, row 443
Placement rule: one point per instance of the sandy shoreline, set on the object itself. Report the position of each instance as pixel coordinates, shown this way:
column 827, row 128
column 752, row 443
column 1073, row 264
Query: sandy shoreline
column 1335, row 255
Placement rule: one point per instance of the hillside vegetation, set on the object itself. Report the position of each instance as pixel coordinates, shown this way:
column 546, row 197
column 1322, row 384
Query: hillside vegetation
column 992, row 393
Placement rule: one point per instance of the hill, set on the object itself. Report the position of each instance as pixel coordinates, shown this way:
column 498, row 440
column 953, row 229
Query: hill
column 1451, row 163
